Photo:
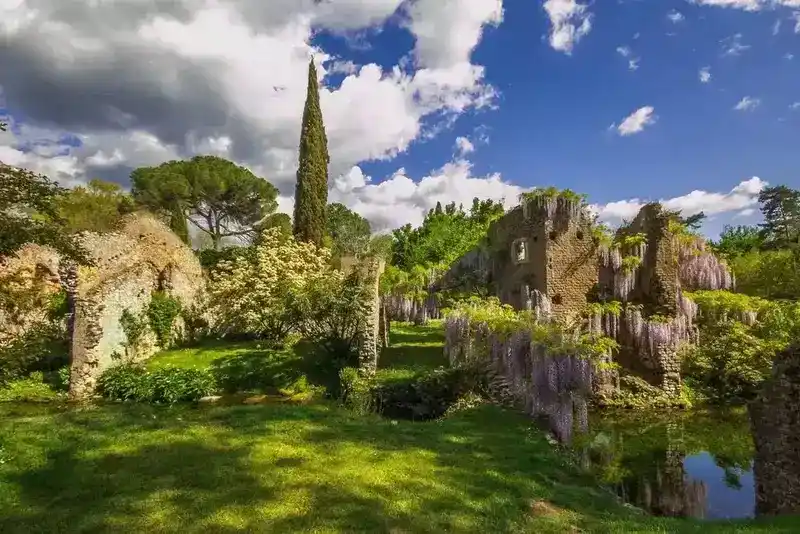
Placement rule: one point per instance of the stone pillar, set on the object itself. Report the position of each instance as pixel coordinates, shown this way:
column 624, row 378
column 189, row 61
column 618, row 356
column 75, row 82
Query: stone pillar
column 369, row 324
column 775, row 423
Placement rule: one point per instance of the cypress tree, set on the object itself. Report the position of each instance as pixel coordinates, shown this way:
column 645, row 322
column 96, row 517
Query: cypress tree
column 311, row 191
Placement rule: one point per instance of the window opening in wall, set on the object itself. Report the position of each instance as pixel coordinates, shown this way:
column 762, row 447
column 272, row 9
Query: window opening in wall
column 557, row 298
column 553, row 236
column 579, row 235
column 519, row 250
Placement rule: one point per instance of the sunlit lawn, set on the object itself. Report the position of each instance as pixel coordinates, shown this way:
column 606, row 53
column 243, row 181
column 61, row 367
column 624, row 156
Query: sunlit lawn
column 299, row 468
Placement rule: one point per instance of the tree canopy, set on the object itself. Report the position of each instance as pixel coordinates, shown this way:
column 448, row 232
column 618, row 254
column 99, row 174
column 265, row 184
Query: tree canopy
column 29, row 214
column 96, row 207
column 311, row 191
column 219, row 197
column 349, row 232
column 446, row 233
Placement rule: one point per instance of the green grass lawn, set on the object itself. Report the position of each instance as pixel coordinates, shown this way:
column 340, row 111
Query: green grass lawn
column 287, row 468
column 413, row 349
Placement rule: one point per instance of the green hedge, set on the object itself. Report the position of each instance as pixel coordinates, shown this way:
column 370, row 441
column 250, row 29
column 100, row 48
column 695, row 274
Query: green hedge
column 131, row 382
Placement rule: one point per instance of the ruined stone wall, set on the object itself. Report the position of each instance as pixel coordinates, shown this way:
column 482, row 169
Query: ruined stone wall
column 369, row 334
column 559, row 259
column 142, row 257
column 775, row 420
column 657, row 282
column 29, row 278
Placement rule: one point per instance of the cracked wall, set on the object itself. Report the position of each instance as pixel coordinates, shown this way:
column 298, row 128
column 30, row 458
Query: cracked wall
column 775, row 421
column 142, row 257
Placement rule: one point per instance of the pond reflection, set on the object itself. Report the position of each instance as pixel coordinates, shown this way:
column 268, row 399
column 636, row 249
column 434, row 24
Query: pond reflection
column 680, row 465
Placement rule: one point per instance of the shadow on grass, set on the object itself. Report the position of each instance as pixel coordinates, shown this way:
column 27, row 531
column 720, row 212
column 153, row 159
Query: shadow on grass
column 412, row 350
column 134, row 468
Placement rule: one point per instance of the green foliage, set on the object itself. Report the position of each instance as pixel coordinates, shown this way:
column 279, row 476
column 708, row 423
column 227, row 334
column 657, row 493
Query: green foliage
column 356, row 391
column 637, row 394
column 219, row 197
column 44, row 347
column 730, row 363
column 503, row 320
column 281, row 221
column 429, row 395
column 732, row 357
column 96, row 207
column 445, row 235
column 311, row 192
column 161, row 314
column 29, row 214
column 349, row 231
column 602, row 235
column 134, row 327
column 631, row 263
column 772, row 274
column 168, row 385
column 613, row 307
column 780, row 206
column 629, row 241
column 552, row 193
column 32, row 388
column 210, row 258
column 735, row 241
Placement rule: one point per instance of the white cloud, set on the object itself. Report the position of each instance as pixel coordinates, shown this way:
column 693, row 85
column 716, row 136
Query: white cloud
column 162, row 89
column 464, row 146
column 776, row 28
column 624, row 51
column 740, row 199
column 399, row 199
column 794, row 106
column 705, row 75
column 636, row 121
column 747, row 103
column 748, row 5
column 732, row 46
column 675, row 16
column 633, row 64
column 465, row 22
column 788, row 56
column 796, row 17
column 570, row 21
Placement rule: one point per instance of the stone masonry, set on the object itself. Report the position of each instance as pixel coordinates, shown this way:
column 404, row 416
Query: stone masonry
column 369, row 334
column 142, row 257
column 775, row 421
column 542, row 255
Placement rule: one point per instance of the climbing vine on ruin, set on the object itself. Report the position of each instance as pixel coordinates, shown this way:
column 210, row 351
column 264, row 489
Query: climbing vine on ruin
column 161, row 314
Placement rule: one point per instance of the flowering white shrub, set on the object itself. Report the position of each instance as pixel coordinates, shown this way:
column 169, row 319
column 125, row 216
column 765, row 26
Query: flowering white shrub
column 252, row 294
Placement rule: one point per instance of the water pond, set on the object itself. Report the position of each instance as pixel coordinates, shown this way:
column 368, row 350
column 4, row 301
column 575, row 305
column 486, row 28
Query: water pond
column 694, row 464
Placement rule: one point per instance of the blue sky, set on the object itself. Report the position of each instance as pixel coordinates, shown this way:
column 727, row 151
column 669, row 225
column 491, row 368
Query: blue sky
column 551, row 122
column 116, row 89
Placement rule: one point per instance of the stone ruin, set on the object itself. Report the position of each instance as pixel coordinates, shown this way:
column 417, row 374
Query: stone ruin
column 544, row 256
column 775, row 421
column 373, row 327
column 143, row 256
column 31, row 275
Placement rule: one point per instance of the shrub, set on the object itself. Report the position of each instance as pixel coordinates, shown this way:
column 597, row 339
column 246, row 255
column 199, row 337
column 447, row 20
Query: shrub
column 168, row 385
column 730, row 362
column 427, row 396
column 252, row 293
column 134, row 327
column 42, row 348
column 31, row 388
column 356, row 391
column 161, row 314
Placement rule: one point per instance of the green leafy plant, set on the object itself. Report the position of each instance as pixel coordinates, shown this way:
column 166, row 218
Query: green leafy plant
column 631, row 263
column 356, row 391
column 161, row 314
column 134, row 327
column 168, row 385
